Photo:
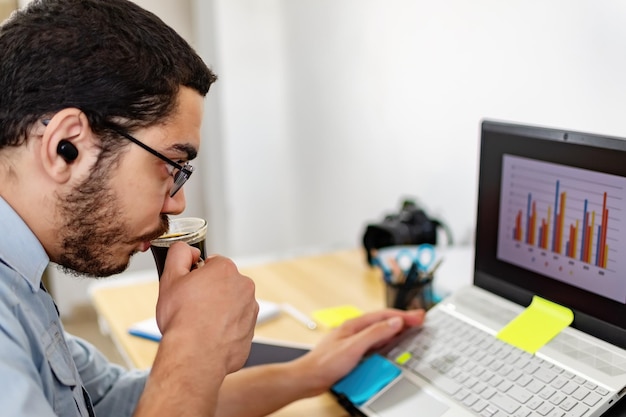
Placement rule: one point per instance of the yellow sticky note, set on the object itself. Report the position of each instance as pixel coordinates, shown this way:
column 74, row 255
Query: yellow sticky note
column 403, row 358
column 537, row 325
column 334, row 316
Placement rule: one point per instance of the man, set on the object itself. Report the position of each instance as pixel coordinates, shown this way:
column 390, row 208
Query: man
column 100, row 112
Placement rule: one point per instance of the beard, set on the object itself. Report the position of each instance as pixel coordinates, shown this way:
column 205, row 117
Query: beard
column 95, row 231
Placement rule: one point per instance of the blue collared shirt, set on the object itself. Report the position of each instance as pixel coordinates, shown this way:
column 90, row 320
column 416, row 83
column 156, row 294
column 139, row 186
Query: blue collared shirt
column 43, row 369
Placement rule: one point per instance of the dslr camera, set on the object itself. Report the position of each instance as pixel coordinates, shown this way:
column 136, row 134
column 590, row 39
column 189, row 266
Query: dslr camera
column 410, row 226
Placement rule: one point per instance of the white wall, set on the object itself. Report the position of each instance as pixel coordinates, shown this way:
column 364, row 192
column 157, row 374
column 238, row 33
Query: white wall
column 327, row 112
column 331, row 110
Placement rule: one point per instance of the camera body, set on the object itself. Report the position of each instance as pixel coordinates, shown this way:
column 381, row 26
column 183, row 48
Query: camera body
column 410, row 226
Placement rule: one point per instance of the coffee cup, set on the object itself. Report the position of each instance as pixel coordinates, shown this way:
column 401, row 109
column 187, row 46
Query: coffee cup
column 191, row 230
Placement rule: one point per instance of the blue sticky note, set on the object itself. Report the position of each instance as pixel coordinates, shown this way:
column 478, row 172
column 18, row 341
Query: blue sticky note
column 368, row 378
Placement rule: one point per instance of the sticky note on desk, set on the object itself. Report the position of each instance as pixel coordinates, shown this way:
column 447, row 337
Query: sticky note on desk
column 334, row 316
column 537, row 325
column 368, row 378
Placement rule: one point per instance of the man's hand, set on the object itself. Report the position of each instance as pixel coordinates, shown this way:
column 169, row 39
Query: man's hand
column 213, row 307
column 341, row 350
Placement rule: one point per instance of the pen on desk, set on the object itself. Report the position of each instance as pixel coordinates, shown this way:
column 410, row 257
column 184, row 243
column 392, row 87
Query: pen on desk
column 299, row 316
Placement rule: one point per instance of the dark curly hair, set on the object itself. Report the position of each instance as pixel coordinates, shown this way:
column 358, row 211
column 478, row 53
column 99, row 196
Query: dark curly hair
column 115, row 61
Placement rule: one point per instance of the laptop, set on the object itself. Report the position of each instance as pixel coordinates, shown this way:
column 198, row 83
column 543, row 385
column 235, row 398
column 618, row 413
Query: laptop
column 551, row 224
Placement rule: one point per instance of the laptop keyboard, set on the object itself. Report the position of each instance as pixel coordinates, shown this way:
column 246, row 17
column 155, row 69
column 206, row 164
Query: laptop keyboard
column 492, row 378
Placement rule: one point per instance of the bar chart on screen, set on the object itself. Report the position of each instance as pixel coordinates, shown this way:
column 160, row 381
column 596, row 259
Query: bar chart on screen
column 563, row 222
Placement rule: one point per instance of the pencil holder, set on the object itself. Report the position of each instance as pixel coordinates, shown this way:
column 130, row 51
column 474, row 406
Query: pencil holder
column 408, row 272
column 409, row 296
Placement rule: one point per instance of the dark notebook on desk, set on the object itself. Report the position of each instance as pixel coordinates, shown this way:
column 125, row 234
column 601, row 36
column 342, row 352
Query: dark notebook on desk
column 551, row 228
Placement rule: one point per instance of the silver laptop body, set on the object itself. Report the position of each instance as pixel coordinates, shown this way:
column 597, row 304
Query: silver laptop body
column 454, row 365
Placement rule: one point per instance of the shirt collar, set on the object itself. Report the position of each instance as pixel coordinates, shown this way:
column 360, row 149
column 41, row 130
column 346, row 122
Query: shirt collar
column 19, row 247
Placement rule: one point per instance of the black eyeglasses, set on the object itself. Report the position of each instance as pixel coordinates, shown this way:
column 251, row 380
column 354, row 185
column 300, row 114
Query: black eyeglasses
column 181, row 173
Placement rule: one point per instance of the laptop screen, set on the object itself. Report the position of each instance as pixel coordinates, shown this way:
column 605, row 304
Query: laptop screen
column 552, row 222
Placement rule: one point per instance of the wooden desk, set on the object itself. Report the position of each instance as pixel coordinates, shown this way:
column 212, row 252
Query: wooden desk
column 310, row 283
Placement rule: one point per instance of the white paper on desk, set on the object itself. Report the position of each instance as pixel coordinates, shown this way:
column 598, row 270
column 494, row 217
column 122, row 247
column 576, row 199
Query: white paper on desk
column 148, row 328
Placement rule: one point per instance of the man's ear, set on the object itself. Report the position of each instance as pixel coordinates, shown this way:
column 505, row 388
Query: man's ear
column 66, row 138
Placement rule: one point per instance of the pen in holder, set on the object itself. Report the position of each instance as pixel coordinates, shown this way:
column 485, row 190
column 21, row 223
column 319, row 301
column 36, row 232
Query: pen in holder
column 408, row 272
